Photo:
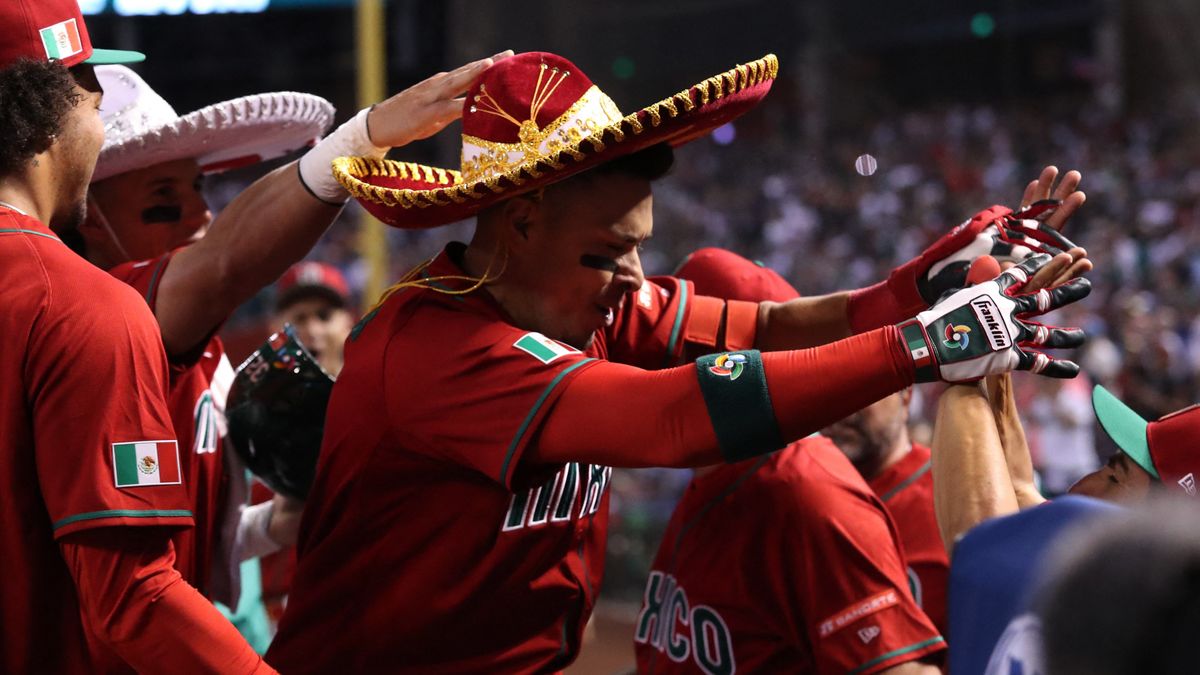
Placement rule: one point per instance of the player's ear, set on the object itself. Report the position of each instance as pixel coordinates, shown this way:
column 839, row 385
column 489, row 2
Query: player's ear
column 518, row 216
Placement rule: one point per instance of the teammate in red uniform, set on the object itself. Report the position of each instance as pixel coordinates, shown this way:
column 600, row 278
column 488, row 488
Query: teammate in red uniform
column 877, row 442
column 819, row 585
column 89, row 465
column 461, row 497
column 149, row 225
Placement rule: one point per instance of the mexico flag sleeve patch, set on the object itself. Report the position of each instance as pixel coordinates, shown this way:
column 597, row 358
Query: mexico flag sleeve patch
column 140, row 463
column 542, row 348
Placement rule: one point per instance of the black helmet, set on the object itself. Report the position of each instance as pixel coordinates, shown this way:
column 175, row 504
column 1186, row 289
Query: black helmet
column 276, row 413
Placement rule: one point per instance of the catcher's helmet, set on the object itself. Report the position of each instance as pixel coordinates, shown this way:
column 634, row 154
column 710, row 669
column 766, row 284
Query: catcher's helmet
column 276, row 413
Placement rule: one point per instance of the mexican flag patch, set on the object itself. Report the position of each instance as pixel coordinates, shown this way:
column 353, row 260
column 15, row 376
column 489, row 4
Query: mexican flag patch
column 542, row 348
column 61, row 40
column 146, row 463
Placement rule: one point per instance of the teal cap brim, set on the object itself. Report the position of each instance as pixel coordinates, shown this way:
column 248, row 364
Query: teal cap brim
column 1125, row 427
column 105, row 57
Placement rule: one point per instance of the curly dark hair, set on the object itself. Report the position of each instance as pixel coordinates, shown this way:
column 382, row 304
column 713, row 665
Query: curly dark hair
column 35, row 98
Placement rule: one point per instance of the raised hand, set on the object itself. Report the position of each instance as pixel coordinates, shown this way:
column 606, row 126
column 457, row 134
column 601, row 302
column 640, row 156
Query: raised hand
column 1008, row 236
column 983, row 329
column 427, row 107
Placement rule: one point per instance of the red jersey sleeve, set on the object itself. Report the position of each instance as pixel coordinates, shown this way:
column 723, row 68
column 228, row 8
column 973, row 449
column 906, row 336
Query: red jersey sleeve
column 486, row 388
column 657, row 322
column 105, row 448
column 861, row 618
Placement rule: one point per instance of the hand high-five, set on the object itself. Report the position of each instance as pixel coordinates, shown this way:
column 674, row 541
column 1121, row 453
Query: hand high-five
column 984, row 329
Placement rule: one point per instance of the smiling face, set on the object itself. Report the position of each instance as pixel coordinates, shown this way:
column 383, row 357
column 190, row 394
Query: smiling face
column 151, row 211
column 573, row 255
column 1120, row 480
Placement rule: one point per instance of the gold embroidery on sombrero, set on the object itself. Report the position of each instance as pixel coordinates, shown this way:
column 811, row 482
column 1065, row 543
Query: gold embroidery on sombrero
column 350, row 171
column 590, row 115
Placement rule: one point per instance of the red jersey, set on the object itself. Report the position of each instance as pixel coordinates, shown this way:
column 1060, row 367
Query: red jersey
column 906, row 489
column 199, row 385
column 451, row 553
column 87, row 441
column 785, row 563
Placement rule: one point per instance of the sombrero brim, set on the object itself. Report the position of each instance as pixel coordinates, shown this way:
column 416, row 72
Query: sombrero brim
column 414, row 196
column 224, row 135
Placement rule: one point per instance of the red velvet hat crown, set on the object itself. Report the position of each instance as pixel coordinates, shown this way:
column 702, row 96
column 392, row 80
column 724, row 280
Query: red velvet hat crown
column 534, row 119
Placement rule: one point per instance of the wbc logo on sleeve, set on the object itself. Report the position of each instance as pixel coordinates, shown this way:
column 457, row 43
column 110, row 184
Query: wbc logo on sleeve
column 140, row 463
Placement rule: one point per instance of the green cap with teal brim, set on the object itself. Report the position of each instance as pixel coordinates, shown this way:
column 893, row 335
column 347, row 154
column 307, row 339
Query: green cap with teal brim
column 1125, row 427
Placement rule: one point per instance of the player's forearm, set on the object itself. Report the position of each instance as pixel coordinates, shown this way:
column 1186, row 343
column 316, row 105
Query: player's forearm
column 803, row 322
column 268, row 227
column 710, row 412
column 1012, row 440
column 970, row 474
column 135, row 602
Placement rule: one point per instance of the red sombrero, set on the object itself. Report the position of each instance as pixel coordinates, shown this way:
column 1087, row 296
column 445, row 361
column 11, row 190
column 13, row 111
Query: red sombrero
column 534, row 119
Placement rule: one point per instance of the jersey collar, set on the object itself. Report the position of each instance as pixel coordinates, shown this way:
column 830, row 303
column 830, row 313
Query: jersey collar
column 15, row 222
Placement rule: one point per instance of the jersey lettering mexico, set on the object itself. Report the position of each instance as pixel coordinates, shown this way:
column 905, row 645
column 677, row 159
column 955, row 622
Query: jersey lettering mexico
column 87, row 440
column 784, row 563
column 427, row 545
column 906, row 489
column 199, row 385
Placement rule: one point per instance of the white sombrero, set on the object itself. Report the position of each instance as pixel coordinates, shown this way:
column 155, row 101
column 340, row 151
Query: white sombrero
column 141, row 129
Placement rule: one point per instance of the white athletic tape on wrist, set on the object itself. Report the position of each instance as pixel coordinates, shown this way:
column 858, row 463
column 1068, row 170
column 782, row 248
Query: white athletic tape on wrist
column 252, row 540
column 316, row 166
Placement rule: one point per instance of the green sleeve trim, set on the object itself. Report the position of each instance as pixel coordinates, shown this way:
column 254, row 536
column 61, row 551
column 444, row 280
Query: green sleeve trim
column 678, row 327
column 537, row 405
column 122, row 513
column 154, row 279
column 908, row 481
column 33, row 232
column 734, row 386
column 897, row 652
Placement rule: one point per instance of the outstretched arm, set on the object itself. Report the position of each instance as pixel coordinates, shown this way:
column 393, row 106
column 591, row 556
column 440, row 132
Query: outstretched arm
column 971, row 481
column 277, row 220
column 1012, row 440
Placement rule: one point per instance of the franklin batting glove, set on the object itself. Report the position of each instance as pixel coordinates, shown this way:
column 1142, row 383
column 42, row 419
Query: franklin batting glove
column 983, row 330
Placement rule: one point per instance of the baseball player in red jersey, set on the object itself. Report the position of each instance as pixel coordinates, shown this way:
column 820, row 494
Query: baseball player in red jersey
column 149, row 225
column 817, row 586
column 89, row 465
column 460, row 503
column 877, row 442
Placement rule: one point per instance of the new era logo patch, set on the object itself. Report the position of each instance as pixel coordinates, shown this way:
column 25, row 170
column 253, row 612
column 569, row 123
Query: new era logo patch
column 1188, row 483
column 542, row 348
column 61, row 40
column 869, row 633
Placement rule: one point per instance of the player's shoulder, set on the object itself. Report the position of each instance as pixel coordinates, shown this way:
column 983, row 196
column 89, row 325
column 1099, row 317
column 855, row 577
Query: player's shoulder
column 812, row 473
